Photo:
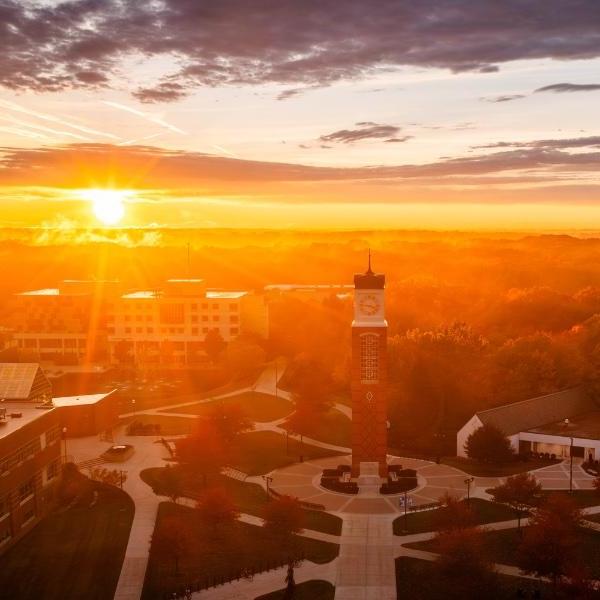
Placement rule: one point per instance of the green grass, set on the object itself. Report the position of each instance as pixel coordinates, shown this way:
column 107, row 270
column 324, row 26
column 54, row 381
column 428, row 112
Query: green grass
column 309, row 590
column 258, row 407
column 263, row 451
column 168, row 425
column 502, row 547
column 71, row 554
column 333, row 428
column 482, row 510
column 485, row 470
column 219, row 554
column 250, row 498
column 419, row 580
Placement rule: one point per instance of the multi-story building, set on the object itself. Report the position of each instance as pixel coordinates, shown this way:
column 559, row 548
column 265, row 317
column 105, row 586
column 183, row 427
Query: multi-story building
column 93, row 321
column 30, row 451
column 171, row 324
column 64, row 325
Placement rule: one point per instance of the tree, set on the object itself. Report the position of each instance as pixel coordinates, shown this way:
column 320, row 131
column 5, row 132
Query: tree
column 204, row 450
column 463, row 567
column 283, row 520
column 172, row 537
column 302, row 421
column 217, row 509
column 229, row 420
column 550, row 543
column 521, row 492
column 172, row 483
column 244, row 358
column 489, row 444
column 596, row 484
column 214, row 344
column 114, row 477
column 454, row 514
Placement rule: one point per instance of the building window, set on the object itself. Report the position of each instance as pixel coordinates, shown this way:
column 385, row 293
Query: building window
column 215, row 307
column 234, row 331
column 127, row 329
column 233, row 319
column 150, row 329
column 26, row 490
column 194, row 307
column 53, row 469
column 233, row 307
column 215, row 317
column 194, row 319
column 204, row 317
column 194, row 331
column 205, row 330
column 52, row 435
column 369, row 358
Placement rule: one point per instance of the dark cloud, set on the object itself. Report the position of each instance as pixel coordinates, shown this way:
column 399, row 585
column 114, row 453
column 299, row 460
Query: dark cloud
column 504, row 98
column 556, row 144
column 289, row 93
column 142, row 167
column 560, row 88
column 366, row 130
column 43, row 46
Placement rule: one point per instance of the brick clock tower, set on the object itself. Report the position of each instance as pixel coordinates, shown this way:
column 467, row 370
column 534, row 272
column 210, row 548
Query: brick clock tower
column 369, row 375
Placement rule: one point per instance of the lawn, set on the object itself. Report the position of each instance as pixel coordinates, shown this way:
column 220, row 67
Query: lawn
column 222, row 554
column 583, row 498
column 333, row 428
column 502, row 546
column 258, row 407
column 483, row 512
column 263, row 451
column 309, row 590
column 71, row 554
column 168, row 425
column 485, row 470
column 250, row 498
column 418, row 580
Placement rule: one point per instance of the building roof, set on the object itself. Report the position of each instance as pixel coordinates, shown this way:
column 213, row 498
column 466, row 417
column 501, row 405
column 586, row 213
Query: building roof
column 143, row 295
column 539, row 411
column 219, row 294
column 42, row 292
column 585, row 426
column 22, row 381
column 28, row 413
column 80, row 400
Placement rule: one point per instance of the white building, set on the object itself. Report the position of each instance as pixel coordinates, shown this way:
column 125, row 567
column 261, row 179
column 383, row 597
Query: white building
column 548, row 424
column 171, row 324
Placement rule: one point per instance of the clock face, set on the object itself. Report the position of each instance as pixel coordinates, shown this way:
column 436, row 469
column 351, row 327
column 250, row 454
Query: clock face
column 369, row 305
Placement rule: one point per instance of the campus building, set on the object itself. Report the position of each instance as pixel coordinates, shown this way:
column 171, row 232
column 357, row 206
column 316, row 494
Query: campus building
column 32, row 425
column 63, row 325
column 94, row 321
column 171, row 324
column 550, row 424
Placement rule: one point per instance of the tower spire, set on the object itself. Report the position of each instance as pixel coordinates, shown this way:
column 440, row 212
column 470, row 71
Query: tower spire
column 369, row 270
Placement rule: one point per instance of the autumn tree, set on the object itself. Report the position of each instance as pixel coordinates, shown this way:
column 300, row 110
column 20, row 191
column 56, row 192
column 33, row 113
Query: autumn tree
column 243, row 358
column 204, row 451
column 453, row 514
column 551, row 542
column 229, row 420
column 521, row 492
column 489, row 444
column 214, row 344
column 171, row 482
column 463, row 567
column 172, row 538
column 217, row 509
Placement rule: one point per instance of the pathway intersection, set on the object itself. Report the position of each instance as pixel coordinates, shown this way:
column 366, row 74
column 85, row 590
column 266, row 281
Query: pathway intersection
column 365, row 567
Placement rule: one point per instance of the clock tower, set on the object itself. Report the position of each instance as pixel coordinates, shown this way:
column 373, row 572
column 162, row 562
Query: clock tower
column 369, row 375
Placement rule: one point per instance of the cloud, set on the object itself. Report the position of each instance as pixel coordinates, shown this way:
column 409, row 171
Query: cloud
column 561, row 88
column 150, row 168
column 503, row 98
column 52, row 46
column 553, row 144
column 366, row 130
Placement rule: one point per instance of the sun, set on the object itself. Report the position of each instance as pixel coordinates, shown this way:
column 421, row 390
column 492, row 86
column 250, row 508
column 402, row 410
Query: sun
column 108, row 205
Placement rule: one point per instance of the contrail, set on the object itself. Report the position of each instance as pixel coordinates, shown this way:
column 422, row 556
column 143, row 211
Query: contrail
column 135, row 141
column 16, row 107
column 148, row 116
column 44, row 129
column 23, row 133
column 221, row 149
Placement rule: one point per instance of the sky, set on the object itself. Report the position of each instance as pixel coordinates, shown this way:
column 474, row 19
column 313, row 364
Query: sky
column 279, row 113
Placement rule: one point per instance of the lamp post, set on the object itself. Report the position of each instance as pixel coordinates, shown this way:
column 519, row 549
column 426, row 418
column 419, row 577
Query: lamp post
column 276, row 379
column 268, row 480
column 64, row 433
column 133, row 406
column 469, row 481
column 571, row 468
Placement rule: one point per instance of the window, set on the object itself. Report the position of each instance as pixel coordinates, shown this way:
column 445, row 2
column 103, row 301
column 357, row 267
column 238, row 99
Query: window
column 233, row 318
column 205, row 330
column 194, row 307
column 194, row 318
column 194, row 331
column 215, row 317
column 127, row 329
column 149, row 329
column 215, row 307
column 233, row 307
column 26, row 490
column 53, row 469
column 369, row 358
column 204, row 317
column 234, row 331
column 148, row 317
column 171, row 313
column 52, row 435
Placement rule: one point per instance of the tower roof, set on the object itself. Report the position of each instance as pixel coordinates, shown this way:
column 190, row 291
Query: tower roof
column 369, row 280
